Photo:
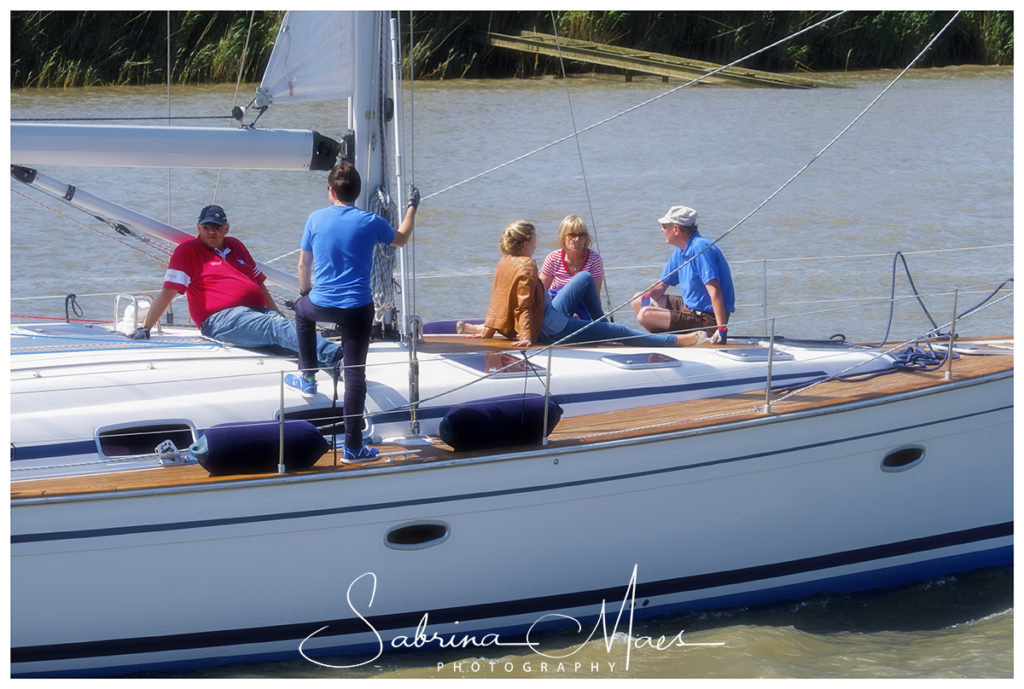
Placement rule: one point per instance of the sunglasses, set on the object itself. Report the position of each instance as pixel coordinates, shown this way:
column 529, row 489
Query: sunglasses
column 576, row 234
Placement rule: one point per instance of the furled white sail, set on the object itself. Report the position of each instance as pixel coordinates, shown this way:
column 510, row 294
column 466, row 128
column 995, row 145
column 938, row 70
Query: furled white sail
column 312, row 59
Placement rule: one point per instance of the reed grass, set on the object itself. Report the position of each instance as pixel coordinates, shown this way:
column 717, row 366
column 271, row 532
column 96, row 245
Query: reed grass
column 65, row 49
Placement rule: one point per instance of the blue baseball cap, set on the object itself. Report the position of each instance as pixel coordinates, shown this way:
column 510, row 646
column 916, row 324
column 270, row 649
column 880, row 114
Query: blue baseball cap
column 214, row 214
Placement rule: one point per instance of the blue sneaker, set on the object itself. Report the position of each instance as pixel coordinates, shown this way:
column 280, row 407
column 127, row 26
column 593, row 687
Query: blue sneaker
column 306, row 388
column 363, row 454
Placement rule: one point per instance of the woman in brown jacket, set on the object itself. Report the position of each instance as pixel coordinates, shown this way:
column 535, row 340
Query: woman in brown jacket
column 523, row 311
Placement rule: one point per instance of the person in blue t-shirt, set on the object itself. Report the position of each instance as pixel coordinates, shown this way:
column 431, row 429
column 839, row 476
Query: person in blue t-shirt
column 335, row 262
column 705, row 281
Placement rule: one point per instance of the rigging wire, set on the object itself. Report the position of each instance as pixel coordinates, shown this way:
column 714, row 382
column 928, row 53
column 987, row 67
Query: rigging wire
column 577, row 132
column 410, row 250
column 412, row 101
column 637, row 106
column 234, row 100
column 169, row 68
column 816, row 156
column 838, row 136
column 120, row 229
column 241, row 62
column 786, row 183
column 579, row 153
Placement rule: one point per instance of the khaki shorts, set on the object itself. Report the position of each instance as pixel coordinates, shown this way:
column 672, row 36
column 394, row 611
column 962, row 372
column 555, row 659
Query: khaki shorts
column 676, row 316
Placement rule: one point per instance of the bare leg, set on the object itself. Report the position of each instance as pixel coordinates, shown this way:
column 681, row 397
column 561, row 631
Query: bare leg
column 464, row 328
column 691, row 339
column 655, row 319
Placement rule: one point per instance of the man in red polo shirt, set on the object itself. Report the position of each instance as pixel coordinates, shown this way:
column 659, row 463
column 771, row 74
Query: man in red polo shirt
column 227, row 297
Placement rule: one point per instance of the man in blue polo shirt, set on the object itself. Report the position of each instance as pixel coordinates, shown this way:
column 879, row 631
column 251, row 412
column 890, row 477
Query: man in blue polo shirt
column 335, row 256
column 704, row 279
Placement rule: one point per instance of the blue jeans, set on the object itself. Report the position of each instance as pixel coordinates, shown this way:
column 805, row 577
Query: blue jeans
column 263, row 329
column 581, row 290
column 600, row 331
column 579, row 295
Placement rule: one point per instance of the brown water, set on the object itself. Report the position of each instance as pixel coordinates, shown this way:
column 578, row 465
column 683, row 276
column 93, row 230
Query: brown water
column 955, row 627
column 929, row 168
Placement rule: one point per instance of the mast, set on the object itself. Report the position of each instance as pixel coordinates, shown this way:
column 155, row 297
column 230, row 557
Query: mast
column 364, row 116
column 408, row 331
column 374, row 119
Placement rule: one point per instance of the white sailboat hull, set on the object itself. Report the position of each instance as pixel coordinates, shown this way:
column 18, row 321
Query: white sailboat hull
column 749, row 512
column 457, row 549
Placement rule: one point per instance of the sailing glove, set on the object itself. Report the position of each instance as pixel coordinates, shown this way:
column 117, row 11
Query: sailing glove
column 414, row 197
column 720, row 336
column 140, row 334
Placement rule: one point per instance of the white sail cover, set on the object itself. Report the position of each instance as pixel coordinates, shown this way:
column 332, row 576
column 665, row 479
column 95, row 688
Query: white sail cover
column 312, row 59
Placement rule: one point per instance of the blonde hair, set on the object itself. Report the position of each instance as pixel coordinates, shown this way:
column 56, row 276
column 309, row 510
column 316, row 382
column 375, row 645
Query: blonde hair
column 515, row 236
column 572, row 223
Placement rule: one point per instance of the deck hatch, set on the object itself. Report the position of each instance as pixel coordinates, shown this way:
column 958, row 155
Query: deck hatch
column 510, row 365
column 759, row 354
column 641, row 360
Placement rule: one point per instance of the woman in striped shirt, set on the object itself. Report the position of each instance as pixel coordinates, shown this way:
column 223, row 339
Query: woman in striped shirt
column 573, row 256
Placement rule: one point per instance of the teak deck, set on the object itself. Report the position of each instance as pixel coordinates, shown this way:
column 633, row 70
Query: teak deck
column 571, row 431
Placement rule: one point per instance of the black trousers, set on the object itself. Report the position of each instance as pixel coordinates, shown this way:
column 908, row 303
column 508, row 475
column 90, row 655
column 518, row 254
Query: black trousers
column 355, row 325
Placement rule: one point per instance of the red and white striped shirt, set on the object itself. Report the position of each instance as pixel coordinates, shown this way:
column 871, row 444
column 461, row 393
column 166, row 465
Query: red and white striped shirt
column 555, row 266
